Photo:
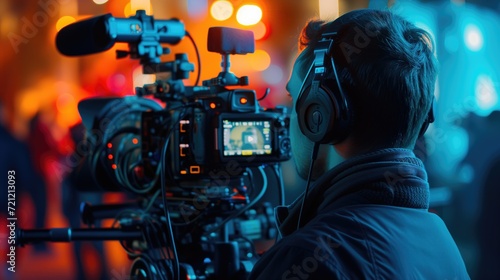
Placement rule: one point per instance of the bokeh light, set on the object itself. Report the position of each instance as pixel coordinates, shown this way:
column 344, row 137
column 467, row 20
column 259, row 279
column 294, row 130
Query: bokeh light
column 117, row 82
column 458, row 143
column 486, row 95
column 27, row 106
column 100, row 2
column 127, row 11
column 134, row 5
column 140, row 79
column 259, row 30
column 221, row 10
column 328, row 9
column 473, row 37
column 259, row 60
column 273, row 74
column 63, row 21
column 249, row 15
column 67, row 105
column 197, row 9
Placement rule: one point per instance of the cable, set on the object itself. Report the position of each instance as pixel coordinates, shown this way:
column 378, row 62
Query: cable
column 281, row 185
column 250, row 180
column 155, row 234
column 242, row 210
column 197, row 57
column 166, row 211
column 313, row 158
column 265, row 94
column 151, row 201
column 116, row 220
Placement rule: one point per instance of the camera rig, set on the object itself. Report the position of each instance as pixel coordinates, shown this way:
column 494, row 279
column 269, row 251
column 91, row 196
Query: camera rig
column 191, row 164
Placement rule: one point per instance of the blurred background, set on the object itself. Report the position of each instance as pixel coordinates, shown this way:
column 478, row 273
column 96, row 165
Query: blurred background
column 41, row 89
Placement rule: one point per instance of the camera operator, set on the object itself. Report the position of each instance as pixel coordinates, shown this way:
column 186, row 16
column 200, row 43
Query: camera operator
column 367, row 217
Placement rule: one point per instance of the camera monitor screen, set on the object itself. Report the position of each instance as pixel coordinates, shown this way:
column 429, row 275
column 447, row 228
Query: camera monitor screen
column 247, row 137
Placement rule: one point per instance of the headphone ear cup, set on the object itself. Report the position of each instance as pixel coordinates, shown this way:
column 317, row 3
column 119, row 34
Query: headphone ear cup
column 316, row 113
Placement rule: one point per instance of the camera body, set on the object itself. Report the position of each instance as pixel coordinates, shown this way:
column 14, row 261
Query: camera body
column 221, row 129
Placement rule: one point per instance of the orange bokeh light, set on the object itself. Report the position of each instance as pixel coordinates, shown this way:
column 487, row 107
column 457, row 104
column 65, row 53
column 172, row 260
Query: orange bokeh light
column 259, row 30
column 259, row 60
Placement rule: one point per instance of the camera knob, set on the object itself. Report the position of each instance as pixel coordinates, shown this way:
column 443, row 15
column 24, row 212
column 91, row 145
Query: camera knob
column 285, row 145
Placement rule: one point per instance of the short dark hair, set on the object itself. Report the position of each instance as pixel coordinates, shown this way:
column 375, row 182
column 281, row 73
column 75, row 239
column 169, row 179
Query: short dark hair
column 387, row 68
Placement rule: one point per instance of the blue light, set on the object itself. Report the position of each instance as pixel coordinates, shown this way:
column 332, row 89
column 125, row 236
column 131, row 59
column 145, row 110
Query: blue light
column 451, row 42
column 457, row 144
column 486, row 95
column 197, row 9
column 273, row 74
column 473, row 37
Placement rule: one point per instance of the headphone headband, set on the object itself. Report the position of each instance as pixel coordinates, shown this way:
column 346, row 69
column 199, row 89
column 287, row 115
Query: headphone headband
column 319, row 109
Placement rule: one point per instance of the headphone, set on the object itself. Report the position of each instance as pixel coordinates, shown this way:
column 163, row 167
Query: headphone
column 323, row 110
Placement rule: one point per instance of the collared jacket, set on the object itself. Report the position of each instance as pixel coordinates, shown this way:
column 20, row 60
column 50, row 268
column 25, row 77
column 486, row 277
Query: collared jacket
column 367, row 218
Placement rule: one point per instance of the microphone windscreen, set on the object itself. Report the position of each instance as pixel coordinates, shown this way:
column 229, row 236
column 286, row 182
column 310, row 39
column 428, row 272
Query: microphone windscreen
column 85, row 37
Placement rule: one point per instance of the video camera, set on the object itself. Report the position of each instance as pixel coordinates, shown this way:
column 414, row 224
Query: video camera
column 191, row 163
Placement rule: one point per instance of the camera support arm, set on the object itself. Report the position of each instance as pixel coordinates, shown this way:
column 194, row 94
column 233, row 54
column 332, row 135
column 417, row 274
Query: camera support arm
column 75, row 234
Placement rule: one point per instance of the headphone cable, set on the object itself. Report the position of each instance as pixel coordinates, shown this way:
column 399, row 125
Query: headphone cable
column 309, row 177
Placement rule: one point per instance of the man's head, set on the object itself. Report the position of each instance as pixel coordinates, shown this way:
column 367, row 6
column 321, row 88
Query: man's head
column 387, row 70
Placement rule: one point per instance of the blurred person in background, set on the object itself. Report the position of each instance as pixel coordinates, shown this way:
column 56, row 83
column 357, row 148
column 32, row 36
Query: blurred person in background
column 16, row 157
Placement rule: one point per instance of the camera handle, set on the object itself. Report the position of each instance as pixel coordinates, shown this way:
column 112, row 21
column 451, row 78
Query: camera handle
column 172, row 87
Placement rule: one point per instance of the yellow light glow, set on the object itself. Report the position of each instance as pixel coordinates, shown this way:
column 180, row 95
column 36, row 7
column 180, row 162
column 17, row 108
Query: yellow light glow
column 127, row 11
column 249, row 15
column 259, row 60
column 28, row 107
column 139, row 79
column 328, row 9
column 134, row 5
column 221, row 10
column 141, row 5
column 63, row 21
column 67, row 113
column 8, row 23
